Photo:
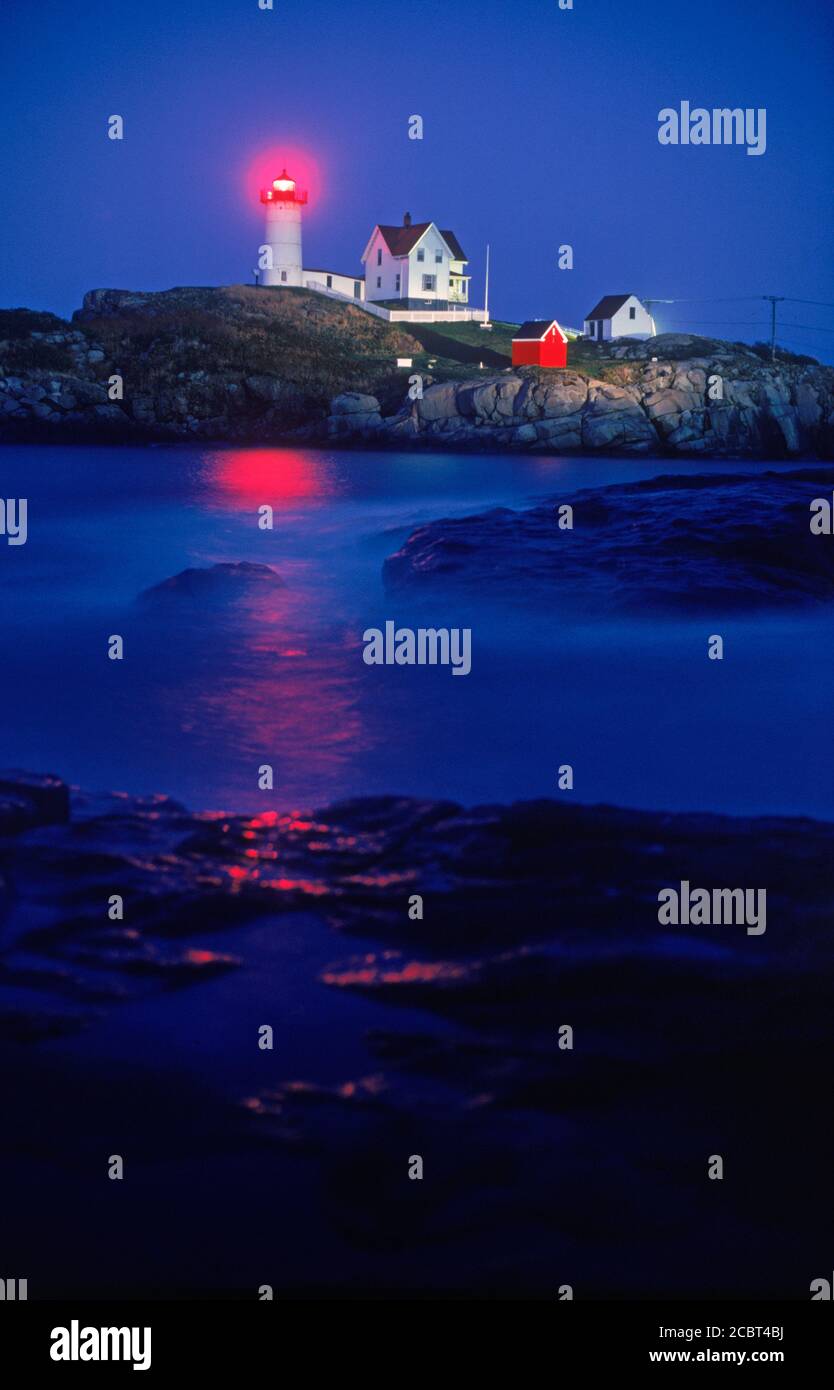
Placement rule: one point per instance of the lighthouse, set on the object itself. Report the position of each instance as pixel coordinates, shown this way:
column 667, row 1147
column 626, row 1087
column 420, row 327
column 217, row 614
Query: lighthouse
column 283, row 202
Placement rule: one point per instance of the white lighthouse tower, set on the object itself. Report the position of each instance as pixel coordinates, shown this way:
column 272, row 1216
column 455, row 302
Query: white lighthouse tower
column 282, row 234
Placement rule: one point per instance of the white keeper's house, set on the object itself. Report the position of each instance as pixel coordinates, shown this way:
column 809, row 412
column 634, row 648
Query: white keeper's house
column 415, row 266
column 619, row 316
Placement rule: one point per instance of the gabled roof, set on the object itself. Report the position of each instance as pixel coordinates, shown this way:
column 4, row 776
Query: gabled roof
column 458, row 253
column 401, row 241
column 534, row 330
column 608, row 306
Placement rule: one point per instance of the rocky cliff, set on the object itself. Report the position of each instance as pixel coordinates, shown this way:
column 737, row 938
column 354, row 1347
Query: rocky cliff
column 236, row 363
column 724, row 404
column 249, row 365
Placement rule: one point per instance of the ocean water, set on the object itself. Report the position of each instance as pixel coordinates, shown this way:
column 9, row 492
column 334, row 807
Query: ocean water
column 206, row 695
column 580, row 1167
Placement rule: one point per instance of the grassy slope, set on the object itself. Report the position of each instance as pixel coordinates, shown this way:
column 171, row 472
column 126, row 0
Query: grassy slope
column 467, row 342
column 463, row 345
column 315, row 343
column 318, row 344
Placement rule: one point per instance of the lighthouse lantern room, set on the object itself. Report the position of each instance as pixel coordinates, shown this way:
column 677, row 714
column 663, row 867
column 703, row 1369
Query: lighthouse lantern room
column 283, row 202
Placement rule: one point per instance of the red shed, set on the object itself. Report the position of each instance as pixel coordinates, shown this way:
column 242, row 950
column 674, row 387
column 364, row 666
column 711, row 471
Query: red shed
column 540, row 343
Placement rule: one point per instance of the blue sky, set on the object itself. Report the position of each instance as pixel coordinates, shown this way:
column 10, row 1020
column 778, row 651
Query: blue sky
column 540, row 129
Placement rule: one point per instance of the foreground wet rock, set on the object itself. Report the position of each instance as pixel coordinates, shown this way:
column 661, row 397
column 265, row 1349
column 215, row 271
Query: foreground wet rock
column 521, row 897
column 29, row 799
column 215, row 584
column 549, row 1156
column 727, row 542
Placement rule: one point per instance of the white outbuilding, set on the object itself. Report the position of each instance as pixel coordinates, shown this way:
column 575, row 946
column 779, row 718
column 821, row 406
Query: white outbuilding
column 619, row 316
column 348, row 286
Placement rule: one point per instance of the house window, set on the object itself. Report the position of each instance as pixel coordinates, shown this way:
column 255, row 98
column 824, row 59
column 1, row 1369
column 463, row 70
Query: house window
column 632, row 313
column 421, row 254
column 429, row 282
column 438, row 257
column 283, row 275
column 330, row 282
column 379, row 255
column 397, row 284
column 357, row 289
column 379, row 282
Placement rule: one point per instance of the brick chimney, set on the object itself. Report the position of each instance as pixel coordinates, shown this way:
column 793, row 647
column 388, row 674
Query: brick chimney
column 406, row 219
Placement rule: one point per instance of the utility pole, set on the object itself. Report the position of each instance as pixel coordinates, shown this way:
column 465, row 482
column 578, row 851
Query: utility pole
column 773, row 299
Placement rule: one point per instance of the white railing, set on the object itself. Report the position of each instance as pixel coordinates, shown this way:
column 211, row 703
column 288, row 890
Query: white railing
column 451, row 315
column 321, row 288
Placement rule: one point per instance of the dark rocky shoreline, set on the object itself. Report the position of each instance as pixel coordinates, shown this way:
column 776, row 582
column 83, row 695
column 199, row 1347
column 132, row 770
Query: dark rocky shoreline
column 238, row 366
column 764, row 412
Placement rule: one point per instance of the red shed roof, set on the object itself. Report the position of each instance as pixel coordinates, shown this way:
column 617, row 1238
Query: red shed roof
column 534, row 330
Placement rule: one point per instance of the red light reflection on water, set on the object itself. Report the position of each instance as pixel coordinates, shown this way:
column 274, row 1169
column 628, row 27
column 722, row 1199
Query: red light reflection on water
column 420, row 972
column 274, row 674
column 251, row 477
column 238, row 688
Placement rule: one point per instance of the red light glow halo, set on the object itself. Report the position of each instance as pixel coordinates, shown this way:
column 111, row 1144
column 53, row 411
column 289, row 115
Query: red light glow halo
column 269, row 163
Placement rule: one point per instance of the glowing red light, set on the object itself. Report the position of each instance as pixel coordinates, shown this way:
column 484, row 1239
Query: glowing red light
column 284, row 171
column 284, row 190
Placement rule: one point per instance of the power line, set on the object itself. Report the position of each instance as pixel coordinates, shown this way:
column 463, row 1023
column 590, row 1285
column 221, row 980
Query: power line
column 727, row 323
column 811, row 326
column 736, row 299
column 707, row 299
column 771, row 299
